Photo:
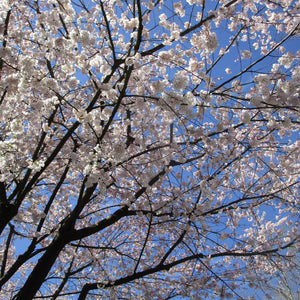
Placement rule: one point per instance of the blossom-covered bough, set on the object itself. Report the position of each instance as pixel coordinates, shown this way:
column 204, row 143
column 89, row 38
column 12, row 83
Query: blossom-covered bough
column 148, row 149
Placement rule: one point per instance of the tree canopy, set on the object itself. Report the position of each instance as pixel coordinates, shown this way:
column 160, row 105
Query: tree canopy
column 148, row 149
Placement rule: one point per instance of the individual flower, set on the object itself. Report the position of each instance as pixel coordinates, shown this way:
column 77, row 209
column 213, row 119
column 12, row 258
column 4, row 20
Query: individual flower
column 133, row 60
column 179, row 9
column 237, row 87
column 73, row 81
column 228, row 71
column 157, row 86
column 190, row 99
column 129, row 61
column 131, row 24
column 286, row 60
column 211, row 42
column 181, row 80
column 84, row 38
column 262, row 80
column 246, row 54
column 165, row 56
column 205, row 41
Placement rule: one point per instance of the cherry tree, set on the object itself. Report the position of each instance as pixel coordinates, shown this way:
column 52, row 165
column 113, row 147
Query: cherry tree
column 148, row 149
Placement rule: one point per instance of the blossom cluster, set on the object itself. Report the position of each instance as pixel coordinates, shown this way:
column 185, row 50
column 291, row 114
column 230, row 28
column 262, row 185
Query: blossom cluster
column 147, row 149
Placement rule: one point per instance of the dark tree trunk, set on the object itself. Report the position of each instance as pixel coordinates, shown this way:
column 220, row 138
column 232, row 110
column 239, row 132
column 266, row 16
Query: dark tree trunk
column 7, row 212
column 40, row 271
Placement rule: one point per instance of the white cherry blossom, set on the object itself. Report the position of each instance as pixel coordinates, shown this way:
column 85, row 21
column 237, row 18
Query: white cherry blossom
column 148, row 149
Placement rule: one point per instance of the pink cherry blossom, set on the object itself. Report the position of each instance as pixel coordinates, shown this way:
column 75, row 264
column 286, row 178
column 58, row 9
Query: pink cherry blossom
column 148, row 149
